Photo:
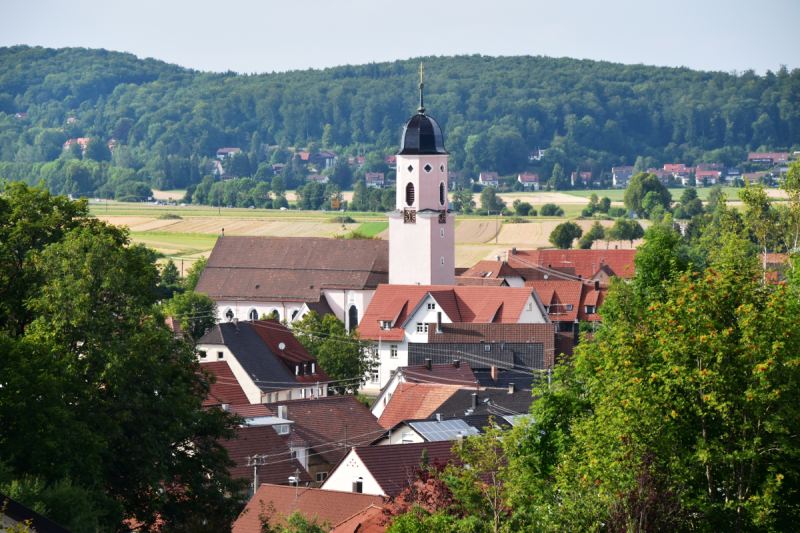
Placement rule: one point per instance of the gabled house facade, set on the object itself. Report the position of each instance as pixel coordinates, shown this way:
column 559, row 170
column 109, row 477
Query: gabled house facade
column 489, row 179
column 374, row 180
column 620, row 176
column 529, row 181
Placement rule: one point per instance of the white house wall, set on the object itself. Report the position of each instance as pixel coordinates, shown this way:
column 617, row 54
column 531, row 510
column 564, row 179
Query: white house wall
column 350, row 469
column 340, row 300
column 532, row 313
column 402, row 434
column 241, row 309
column 250, row 389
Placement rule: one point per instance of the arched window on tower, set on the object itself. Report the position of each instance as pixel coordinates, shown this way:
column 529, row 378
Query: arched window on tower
column 410, row 194
column 352, row 317
column 253, row 314
column 442, row 193
column 229, row 314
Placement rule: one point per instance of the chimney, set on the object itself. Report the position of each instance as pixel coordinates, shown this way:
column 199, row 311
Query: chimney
column 513, row 251
column 497, row 257
column 438, row 417
column 283, row 412
column 456, row 363
column 474, row 400
column 597, row 284
column 493, row 373
column 428, row 363
column 511, row 388
column 439, row 322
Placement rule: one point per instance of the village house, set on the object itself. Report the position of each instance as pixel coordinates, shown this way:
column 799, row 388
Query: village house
column 374, row 180
column 317, row 178
column 227, row 152
column 251, row 277
column 436, row 430
column 489, row 179
column 529, row 181
column 582, row 265
column 581, row 179
column 323, row 159
column 342, row 511
column 768, row 158
column 620, row 176
column 385, row 470
column 267, row 361
column 83, row 142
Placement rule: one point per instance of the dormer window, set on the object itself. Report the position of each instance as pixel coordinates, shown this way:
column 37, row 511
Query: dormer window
column 569, row 307
column 590, row 309
column 386, row 324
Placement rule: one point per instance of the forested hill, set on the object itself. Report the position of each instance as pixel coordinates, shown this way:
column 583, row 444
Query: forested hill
column 494, row 111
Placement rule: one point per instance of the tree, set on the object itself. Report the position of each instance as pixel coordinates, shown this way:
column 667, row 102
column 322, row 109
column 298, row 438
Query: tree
column 194, row 273
column 563, row 235
column 97, row 149
column 759, row 217
column 195, row 312
column 551, row 210
column 791, row 184
column 523, row 209
column 462, row 201
column 558, row 180
column 359, row 197
column 640, row 185
column 90, row 343
column 625, row 229
column 595, row 233
column 338, row 352
column 490, row 201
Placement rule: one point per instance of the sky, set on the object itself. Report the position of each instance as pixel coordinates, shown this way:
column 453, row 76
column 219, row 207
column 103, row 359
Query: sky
column 256, row 36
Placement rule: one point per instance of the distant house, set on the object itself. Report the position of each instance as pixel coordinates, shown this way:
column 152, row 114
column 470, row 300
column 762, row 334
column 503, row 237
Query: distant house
column 322, row 506
column 620, row 176
column 22, row 115
column 324, row 159
column 435, row 430
column 581, row 179
column 374, row 180
column 390, row 160
column 411, row 401
column 708, row 174
column 386, row 470
column 252, row 276
column 592, row 265
column 83, row 142
column 489, row 179
column 225, row 153
column 768, row 158
column 529, row 180
column 268, row 362
column 317, row 178
column 537, row 155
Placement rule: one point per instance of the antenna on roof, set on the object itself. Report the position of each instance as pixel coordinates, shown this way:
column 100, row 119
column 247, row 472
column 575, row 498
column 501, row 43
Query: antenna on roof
column 421, row 109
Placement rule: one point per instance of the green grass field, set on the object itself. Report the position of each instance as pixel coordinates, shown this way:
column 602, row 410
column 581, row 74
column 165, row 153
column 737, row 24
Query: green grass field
column 371, row 229
column 176, row 245
column 617, row 195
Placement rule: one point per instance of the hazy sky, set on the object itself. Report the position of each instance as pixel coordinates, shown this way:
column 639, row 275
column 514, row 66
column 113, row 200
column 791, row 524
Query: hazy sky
column 269, row 35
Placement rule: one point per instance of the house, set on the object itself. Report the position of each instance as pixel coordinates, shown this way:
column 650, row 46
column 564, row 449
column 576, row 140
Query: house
column 594, row 265
column 317, row 178
column 391, row 160
column 249, row 277
column 508, row 404
column 488, row 269
column 374, row 180
column 414, row 401
column 707, row 178
column 324, row 159
column 386, row 470
column 83, row 142
column 227, row 152
column 267, row 361
column 537, row 155
column 569, row 303
column 323, row 429
column 455, row 373
column 529, row 181
column 436, row 430
column 403, row 314
column 17, row 517
column 224, row 388
column 329, row 507
column 582, row 178
column 620, row 176
column 261, row 455
column 768, row 158
column 489, row 179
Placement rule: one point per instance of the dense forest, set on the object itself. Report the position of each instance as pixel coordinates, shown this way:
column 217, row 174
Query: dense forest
column 165, row 123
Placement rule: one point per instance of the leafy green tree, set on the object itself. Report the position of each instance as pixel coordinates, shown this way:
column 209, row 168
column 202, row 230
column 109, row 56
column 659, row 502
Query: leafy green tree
column 595, row 233
column 604, row 205
column 339, row 352
column 342, row 174
column 791, row 184
column 195, row 312
column 490, row 201
column 523, row 209
column 563, row 235
column 551, row 210
column 759, row 217
column 638, row 188
column 558, row 179
column 462, row 201
column 97, row 149
column 359, row 197
column 194, row 273
column 625, row 229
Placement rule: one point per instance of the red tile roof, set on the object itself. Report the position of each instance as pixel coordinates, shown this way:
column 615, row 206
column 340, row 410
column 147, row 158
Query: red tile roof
column 477, row 333
column 491, row 269
column 675, row 167
column 468, row 281
column 395, row 303
column 775, row 157
column 586, row 263
column 224, row 387
column 369, row 520
column 563, row 298
column 332, row 424
column 262, row 440
column 323, row 506
column 394, row 466
column 412, row 401
column 526, row 177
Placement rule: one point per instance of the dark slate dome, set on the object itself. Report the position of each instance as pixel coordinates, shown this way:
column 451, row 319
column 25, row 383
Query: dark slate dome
column 422, row 136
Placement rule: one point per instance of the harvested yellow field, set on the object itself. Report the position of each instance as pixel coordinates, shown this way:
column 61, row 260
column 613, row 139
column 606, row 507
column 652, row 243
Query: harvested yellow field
column 174, row 195
column 233, row 226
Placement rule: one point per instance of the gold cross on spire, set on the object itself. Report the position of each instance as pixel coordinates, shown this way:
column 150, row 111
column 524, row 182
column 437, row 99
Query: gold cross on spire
column 421, row 74
column 421, row 85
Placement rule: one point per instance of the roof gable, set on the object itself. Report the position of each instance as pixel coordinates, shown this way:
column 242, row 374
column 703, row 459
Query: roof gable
column 412, row 401
column 224, row 388
column 394, row 466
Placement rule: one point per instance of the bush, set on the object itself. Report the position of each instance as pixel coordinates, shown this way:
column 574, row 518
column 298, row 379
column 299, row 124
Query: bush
column 515, row 220
column 616, row 212
column 551, row 210
column 345, row 219
column 170, row 216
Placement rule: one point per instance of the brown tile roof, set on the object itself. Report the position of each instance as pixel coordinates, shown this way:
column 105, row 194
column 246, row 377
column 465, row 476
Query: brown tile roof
column 395, row 303
column 369, row 520
column 559, row 296
column 394, row 466
column 291, row 268
column 491, row 269
column 224, row 387
column 586, row 263
column 332, row 424
column 444, row 374
column 251, row 410
column 262, row 440
column 414, row 401
column 469, row 333
column 481, row 282
column 526, row 177
column 323, row 506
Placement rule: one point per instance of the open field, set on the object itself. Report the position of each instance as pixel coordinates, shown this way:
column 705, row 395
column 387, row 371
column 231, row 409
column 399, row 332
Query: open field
column 175, row 195
column 732, row 193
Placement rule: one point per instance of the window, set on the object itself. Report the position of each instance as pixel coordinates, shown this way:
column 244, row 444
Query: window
column 229, row 314
column 393, row 351
column 441, row 167
column 322, row 476
column 410, row 168
column 358, row 485
column 375, row 374
column 408, row 438
column 352, row 317
column 431, row 305
column 282, row 429
column 441, row 194
column 441, row 260
column 427, row 167
column 487, row 348
column 293, row 454
column 590, row 309
column 569, row 307
column 422, row 327
column 386, row 324
column 202, row 354
column 441, row 233
column 253, row 314
column 220, row 355
column 410, row 194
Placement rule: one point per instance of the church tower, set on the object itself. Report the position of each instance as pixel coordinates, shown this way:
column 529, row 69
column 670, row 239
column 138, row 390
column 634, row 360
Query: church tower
column 422, row 228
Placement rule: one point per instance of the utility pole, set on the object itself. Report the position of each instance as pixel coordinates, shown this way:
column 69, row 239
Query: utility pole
column 255, row 461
